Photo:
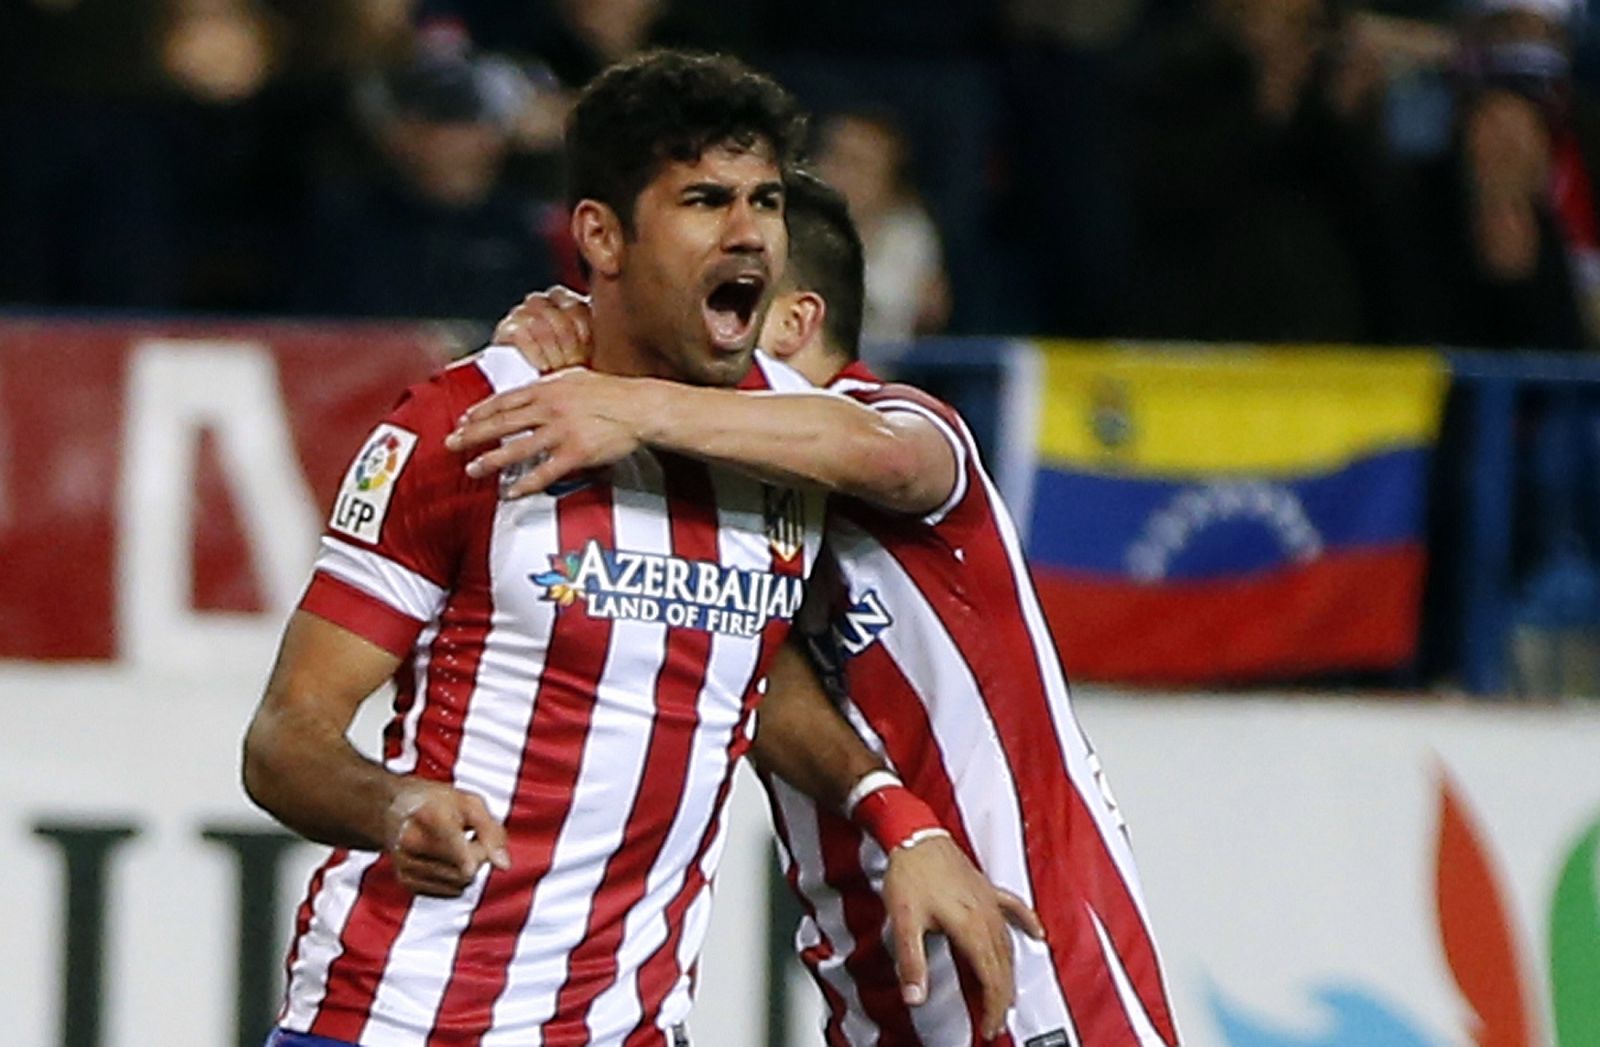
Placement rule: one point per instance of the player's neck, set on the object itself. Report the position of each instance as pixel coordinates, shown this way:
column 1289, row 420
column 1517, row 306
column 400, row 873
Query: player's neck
column 615, row 350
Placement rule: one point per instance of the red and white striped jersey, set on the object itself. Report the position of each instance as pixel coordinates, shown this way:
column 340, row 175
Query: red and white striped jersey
column 581, row 659
column 944, row 664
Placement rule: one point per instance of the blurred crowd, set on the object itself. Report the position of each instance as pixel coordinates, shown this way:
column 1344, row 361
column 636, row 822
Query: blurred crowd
column 1312, row 170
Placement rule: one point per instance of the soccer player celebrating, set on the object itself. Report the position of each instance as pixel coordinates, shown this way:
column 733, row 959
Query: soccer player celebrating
column 576, row 673
column 937, row 642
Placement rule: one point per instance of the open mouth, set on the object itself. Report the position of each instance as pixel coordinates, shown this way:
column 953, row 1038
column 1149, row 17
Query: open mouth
column 730, row 310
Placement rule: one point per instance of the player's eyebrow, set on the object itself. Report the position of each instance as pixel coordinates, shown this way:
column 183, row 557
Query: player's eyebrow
column 711, row 192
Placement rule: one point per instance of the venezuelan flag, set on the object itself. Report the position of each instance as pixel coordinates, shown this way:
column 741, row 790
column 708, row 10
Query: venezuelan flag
column 1213, row 515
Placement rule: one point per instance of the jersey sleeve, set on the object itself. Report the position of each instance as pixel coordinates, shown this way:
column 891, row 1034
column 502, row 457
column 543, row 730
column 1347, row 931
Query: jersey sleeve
column 394, row 538
column 893, row 398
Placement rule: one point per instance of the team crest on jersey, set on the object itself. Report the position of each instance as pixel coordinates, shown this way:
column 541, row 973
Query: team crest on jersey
column 363, row 499
column 784, row 512
column 688, row 594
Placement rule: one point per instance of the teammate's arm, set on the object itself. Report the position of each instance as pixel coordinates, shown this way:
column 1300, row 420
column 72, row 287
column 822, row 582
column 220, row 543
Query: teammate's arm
column 930, row 886
column 579, row 419
column 300, row 767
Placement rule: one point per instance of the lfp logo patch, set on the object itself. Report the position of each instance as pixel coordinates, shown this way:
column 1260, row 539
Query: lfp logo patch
column 364, row 496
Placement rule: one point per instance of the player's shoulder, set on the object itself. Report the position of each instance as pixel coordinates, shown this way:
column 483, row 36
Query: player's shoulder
column 861, row 384
column 436, row 402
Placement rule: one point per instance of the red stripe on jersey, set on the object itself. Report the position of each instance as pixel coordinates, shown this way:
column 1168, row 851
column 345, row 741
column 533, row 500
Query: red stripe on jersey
column 662, row 970
column 592, row 966
column 382, row 904
column 341, row 603
column 999, row 648
column 563, row 708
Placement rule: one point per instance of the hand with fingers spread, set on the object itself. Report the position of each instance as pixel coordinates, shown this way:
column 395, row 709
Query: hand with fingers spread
column 561, row 424
column 932, row 887
column 549, row 328
column 439, row 837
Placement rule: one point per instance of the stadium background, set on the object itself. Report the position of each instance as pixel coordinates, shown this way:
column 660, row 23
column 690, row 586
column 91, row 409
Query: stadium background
column 1334, row 612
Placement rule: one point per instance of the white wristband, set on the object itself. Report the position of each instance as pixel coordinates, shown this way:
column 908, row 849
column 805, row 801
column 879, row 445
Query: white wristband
column 870, row 783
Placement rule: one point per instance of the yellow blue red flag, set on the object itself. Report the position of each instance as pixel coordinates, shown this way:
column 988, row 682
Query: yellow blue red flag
column 1210, row 514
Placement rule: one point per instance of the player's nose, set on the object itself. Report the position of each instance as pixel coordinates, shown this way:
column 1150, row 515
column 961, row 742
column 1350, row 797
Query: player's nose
column 743, row 231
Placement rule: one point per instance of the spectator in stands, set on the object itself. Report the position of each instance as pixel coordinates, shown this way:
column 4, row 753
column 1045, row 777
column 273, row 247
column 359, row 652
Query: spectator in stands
column 89, row 215
column 437, row 234
column 1263, row 203
column 267, row 112
column 553, row 47
column 865, row 155
column 1511, row 207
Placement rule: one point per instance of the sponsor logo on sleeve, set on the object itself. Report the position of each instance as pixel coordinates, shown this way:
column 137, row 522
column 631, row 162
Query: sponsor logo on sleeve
column 1053, row 1038
column 363, row 499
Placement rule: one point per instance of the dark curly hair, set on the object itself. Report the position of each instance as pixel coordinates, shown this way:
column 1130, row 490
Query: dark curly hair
column 665, row 106
column 825, row 256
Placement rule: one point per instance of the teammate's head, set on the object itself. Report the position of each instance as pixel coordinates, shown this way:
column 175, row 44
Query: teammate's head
column 676, row 165
column 817, row 313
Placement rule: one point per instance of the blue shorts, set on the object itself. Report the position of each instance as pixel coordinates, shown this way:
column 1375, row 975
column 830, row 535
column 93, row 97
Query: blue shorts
column 285, row 1038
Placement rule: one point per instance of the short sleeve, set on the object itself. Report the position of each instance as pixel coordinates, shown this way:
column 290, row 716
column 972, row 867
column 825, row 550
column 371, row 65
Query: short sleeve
column 893, row 398
column 399, row 523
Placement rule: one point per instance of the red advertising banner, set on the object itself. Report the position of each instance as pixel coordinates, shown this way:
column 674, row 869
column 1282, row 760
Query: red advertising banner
column 121, row 443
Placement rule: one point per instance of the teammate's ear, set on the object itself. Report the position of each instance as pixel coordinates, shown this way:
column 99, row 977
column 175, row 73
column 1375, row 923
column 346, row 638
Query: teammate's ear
column 597, row 231
column 796, row 323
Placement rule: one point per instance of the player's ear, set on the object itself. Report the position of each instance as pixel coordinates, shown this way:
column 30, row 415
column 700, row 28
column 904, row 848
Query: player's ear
column 598, row 233
column 796, row 322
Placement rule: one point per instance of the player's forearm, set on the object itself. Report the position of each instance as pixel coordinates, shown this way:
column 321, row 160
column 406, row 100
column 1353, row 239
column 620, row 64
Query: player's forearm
column 306, row 774
column 803, row 738
column 812, row 439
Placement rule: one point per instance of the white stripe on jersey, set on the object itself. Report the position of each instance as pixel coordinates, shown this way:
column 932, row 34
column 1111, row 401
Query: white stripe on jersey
column 329, row 910
column 381, row 578
column 782, row 378
column 504, row 366
column 609, row 776
column 936, row 1018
